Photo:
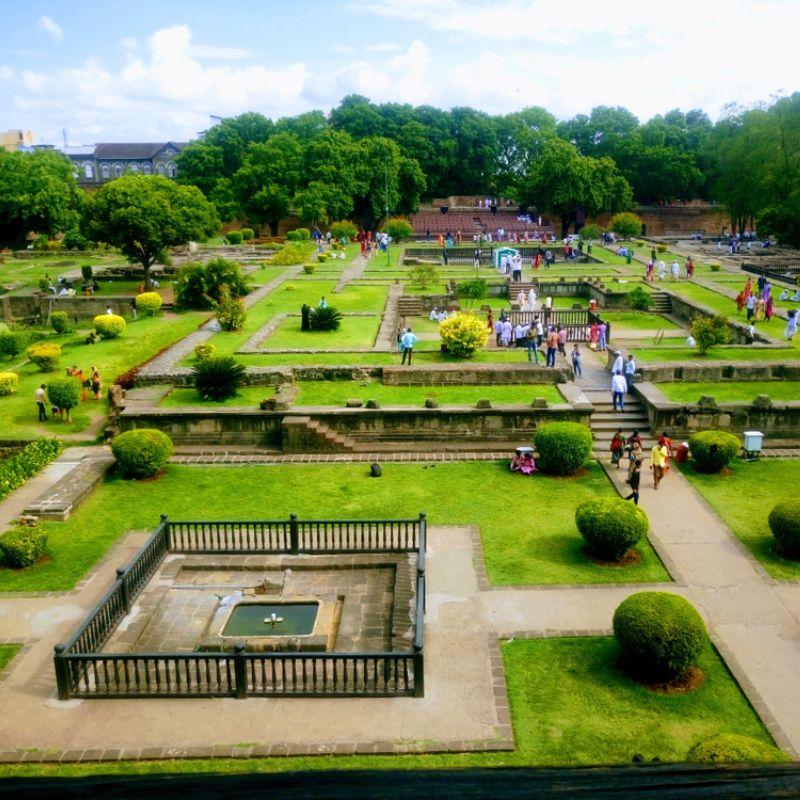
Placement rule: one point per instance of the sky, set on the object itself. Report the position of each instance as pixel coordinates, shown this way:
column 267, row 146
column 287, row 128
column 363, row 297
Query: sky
column 157, row 70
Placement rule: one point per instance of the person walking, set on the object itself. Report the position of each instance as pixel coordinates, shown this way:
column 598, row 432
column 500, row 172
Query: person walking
column 617, row 447
column 791, row 326
column 658, row 460
column 407, row 343
column 552, row 347
column 577, row 368
column 750, row 303
column 97, row 383
column 602, row 329
column 618, row 363
column 41, row 400
column 562, row 340
column 633, row 480
column 532, row 341
column 618, row 387
column 630, row 368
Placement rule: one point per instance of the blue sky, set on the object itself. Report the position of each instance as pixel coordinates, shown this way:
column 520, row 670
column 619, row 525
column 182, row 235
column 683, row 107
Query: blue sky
column 147, row 70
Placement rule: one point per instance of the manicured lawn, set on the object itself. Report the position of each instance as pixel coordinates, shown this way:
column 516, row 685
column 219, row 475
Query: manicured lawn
column 354, row 332
column 730, row 391
column 140, row 341
column 541, row 546
column 248, row 396
column 7, row 652
column 425, row 352
column 335, row 393
column 706, row 297
column 638, row 321
column 744, row 497
column 653, row 355
column 28, row 271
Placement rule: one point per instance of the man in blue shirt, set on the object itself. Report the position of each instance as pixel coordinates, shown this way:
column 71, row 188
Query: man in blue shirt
column 407, row 342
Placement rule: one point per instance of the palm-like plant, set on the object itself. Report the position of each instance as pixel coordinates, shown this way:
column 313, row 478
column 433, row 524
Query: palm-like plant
column 325, row 319
column 218, row 377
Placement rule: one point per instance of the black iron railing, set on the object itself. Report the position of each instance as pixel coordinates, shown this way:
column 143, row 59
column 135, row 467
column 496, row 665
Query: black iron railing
column 83, row 671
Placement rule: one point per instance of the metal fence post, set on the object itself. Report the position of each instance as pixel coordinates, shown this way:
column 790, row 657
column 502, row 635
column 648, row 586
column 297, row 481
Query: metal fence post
column 165, row 529
column 419, row 673
column 62, row 672
column 240, row 670
column 126, row 597
column 294, row 535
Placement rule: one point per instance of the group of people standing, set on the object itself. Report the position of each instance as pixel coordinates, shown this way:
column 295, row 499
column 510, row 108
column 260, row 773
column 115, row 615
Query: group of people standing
column 631, row 447
column 93, row 384
column 674, row 269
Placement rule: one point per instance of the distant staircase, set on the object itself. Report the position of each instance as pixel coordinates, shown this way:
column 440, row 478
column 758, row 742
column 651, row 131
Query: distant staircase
column 410, row 306
column 662, row 303
column 301, row 434
column 605, row 421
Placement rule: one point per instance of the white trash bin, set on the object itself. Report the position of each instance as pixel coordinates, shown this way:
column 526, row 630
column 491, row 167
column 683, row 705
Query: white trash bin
column 752, row 443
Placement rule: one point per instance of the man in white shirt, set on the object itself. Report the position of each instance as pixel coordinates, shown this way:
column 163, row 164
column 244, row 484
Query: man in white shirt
column 618, row 363
column 690, row 342
column 618, row 389
column 630, row 368
column 41, row 399
column 407, row 342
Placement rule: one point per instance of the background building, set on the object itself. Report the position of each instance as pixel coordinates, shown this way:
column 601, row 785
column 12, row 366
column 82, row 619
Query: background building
column 98, row 163
column 16, row 139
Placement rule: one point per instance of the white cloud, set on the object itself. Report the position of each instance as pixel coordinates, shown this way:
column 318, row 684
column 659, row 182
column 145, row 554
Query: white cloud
column 50, row 26
column 227, row 53
column 6, row 73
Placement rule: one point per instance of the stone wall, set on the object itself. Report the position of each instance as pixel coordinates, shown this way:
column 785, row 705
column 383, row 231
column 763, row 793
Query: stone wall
column 687, row 309
column 666, row 220
column 473, row 374
column 774, row 420
column 715, row 371
column 38, row 307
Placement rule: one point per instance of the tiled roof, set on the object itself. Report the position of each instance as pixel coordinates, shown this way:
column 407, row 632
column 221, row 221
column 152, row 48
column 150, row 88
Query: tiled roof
column 125, row 150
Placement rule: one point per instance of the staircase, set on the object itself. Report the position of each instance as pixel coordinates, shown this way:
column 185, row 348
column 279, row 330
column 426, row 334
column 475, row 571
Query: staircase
column 410, row 306
column 301, row 434
column 605, row 421
column 662, row 303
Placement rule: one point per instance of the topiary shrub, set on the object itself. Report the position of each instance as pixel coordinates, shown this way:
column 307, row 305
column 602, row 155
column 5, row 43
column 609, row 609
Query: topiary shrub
column 784, row 522
column 639, row 299
column 23, row 547
column 626, row 224
column 463, row 335
column 59, row 322
column 12, row 343
column 9, row 383
column 733, row 748
column 109, row 326
column 611, row 526
column 661, row 248
column 234, row 237
column 325, row 319
column 562, row 447
column 713, row 450
column 399, row 229
column 65, row 393
column 204, row 350
column 141, row 453
column 148, row 303
column 247, row 234
column 45, row 355
column 343, row 229
column 292, row 236
column 86, row 272
column 218, row 377
column 289, row 255
column 660, row 634
column 303, row 234
column 309, row 268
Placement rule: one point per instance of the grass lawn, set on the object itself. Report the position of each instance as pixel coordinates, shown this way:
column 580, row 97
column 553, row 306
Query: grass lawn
column 638, row 321
column 744, row 497
column 140, row 341
column 570, row 706
column 706, row 297
column 248, row 396
column 7, row 652
column 654, row 355
column 354, row 332
column 27, row 272
column 539, row 547
column 730, row 391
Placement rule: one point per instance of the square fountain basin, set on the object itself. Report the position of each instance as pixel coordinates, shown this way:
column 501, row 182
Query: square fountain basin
column 250, row 619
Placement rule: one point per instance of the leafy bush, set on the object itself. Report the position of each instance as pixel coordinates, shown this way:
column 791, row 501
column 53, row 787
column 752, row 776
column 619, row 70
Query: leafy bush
column 309, row 269
column 148, row 303
column 23, row 547
column 45, row 355
column 639, row 299
column 611, row 526
column 399, row 229
column 75, row 240
column 423, row 275
column 661, row 248
column 713, row 450
column 234, row 237
column 325, row 319
column 33, row 457
column 473, row 289
column 290, row 255
column 141, row 453
column 59, row 322
column 463, row 335
column 230, row 311
column 303, row 234
column 343, row 228
column 733, row 748
column 204, row 350
column 292, row 236
column 562, row 447
column 65, row 393
column 660, row 634
column 322, row 258
column 9, row 383
column 86, row 272
column 218, row 377
column 626, row 224
column 109, row 326
column 199, row 285
column 247, row 234
column 12, row 343
column 715, row 266
column 709, row 332
column 784, row 522
column 590, row 231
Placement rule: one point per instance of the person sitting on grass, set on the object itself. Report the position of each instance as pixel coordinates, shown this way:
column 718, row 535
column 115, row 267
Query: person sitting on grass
column 523, row 463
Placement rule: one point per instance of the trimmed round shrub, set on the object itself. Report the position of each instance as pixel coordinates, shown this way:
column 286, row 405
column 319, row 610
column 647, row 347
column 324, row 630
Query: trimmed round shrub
column 308, row 269
column 218, row 377
column 784, row 522
column 304, row 234
column 562, row 447
column 204, row 350
column 713, row 450
column 12, row 343
column 59, row 322
column 234, row 237
column 247, row 234
column 660, row 634
column 23, row 547
column 142, row 452
column 45, row 355
column 9, row 383
column 733, row 748
column 148, row 303
column 109, row 326
column 65, row 393
column 292, row 236
column 463, row 335
column 611, row 526
column 289, row 255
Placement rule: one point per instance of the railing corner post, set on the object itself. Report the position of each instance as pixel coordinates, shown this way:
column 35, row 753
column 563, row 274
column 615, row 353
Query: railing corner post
column 165, row 531
column 294, row 535
column 419, row 673
column 240, row 670
column 62, row 674
column 126, row 597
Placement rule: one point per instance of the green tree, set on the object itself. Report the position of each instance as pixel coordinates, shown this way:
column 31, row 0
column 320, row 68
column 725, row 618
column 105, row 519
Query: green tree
column 626, row 224
column 709, row 332
column 144, row 215
column 310, row 204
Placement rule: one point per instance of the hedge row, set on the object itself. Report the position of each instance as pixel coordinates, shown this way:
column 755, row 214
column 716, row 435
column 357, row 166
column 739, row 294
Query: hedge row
column 25, row 464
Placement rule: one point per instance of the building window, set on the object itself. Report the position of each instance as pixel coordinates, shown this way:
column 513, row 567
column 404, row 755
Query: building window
column 161, row 169
column 117, row 170
column 171, row 171
column 88, row 171
column 104, row 171
column 134, row 168
column 147, row 169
